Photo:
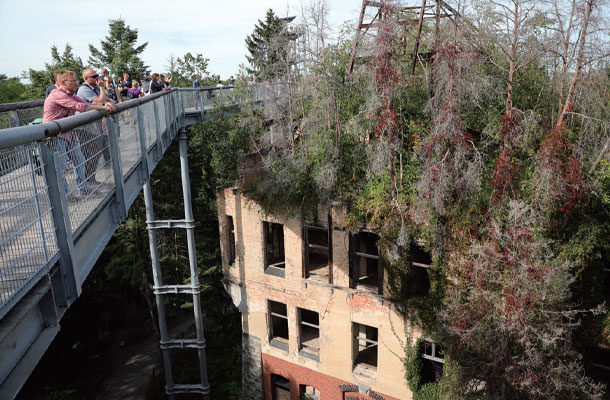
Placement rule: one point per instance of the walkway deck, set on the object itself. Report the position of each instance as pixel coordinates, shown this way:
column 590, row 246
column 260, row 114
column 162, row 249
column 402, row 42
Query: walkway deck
column 49, row 238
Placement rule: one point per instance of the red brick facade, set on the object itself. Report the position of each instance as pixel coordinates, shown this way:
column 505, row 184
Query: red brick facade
column 328, row 386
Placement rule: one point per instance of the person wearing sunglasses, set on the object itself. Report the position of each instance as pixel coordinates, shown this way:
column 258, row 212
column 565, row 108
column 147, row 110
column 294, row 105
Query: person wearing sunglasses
column 94, row 142
column 63, row 103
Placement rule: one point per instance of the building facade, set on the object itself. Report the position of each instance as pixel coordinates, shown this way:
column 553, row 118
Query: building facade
column 316, row 323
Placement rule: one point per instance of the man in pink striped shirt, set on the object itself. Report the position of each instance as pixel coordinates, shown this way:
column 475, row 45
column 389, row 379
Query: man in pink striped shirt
column 63, row 103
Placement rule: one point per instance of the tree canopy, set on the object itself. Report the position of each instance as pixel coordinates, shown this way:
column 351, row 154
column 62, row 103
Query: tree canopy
column 187, row 68
column 119, row 52
column 42, row 79
column 11, row 90
column 266, row 46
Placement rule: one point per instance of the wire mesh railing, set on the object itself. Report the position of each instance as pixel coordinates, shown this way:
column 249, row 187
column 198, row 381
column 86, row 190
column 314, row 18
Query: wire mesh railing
column 88, row 178
column 27, row 237
column 19, row 117
column 82, row 168
column 129, row 138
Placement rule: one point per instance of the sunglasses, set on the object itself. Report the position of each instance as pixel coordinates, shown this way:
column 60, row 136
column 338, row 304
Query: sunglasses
column 93, row 76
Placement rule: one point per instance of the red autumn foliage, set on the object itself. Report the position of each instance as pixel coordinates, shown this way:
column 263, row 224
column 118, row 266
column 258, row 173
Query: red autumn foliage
column 504, row 173
column 451, row 163
column 567, row 182
column 508, row 316
column 386, row 75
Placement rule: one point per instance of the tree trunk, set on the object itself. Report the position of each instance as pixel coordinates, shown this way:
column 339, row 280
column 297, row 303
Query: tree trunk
column 566, row 45
column 513, row 55
column 579, row 63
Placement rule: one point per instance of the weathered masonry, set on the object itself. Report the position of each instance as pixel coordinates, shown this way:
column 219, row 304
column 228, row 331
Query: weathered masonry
column 315, row 318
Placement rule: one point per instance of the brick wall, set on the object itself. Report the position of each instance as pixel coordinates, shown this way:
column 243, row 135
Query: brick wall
column 330, row 387
column 338, row 306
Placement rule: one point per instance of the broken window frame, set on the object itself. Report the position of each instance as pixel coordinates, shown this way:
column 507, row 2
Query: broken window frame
column 417, row 254
column 279, row 381
column 309, row 246
column 433, row 357
column 357, row 338
column 277, row 266
column 434, row 351
column 231, row 239
column 354, row 265
column 275, row 340
column 303, row 392
column 304, row 350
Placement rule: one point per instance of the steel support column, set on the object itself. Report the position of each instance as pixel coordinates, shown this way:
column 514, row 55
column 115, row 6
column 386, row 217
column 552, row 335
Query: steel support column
column 190, row 237
column 158, row 281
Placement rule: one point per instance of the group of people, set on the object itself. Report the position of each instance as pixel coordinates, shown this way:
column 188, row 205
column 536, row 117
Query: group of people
column 197, row 82
column 67, row 97
column 131, row 89
column 84, row 146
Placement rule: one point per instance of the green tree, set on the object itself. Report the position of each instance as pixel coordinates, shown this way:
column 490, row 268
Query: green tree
column 118, row 52
column 266, row 46
column 11, row 90
column 42, row 79
column 189, row 67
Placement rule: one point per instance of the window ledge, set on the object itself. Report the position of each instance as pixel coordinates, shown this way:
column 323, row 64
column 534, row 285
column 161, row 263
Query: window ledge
column 365, row 371
column 279, row 343
column 361, row 290
column 279, row 272
column 311, row 356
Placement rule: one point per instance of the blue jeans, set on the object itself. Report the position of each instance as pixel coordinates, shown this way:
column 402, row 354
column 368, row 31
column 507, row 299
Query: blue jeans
column 71, row 149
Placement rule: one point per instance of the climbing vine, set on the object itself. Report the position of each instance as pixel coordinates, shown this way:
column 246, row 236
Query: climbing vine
column 463, row 160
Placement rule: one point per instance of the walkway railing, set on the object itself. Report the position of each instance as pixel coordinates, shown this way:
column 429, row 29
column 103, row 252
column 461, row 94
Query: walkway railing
column 51, row 187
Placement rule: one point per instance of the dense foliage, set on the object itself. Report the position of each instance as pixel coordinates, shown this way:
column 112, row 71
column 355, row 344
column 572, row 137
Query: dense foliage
column 493, row 155
column 11, row 90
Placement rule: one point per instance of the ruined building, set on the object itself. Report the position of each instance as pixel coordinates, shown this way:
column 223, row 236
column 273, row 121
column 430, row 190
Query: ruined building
column 315, row 316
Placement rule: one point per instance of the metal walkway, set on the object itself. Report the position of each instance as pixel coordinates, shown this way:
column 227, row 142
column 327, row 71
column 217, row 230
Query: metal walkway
column 56, row 217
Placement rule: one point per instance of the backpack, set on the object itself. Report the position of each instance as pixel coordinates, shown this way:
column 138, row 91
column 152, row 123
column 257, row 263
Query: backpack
column 146, row 86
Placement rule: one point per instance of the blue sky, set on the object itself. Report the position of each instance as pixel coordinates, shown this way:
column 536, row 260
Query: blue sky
column 217, row 29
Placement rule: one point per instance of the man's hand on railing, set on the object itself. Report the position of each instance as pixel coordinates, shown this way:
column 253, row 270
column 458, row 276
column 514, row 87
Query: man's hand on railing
column 108, row 107
column 111, row 105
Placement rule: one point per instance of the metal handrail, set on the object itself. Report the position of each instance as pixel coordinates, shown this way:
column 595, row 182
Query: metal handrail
column 36, row 195
column 22, row 105
column 21, row 135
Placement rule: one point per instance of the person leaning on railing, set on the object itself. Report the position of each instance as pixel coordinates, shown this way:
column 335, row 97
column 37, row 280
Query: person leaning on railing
column 93, row 138
column 155, row 84
column 61, row 103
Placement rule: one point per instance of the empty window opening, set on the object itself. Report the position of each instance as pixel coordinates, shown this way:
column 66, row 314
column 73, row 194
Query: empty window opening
column 309, row 393
column 231, row 237
column 317, row 261
column 366, row 266
column 280, row 387
column 278, row 327
column 309, row 325
column 419, row 280
column 274, row 246
column 365, row 348
column 432, row 362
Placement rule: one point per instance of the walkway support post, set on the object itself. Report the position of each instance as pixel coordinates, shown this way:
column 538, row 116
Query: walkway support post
column 158, row 282
column 190, row 237
column 61, row 220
